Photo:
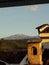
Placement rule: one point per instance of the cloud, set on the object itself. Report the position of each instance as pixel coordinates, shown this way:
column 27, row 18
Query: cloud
column 33, row 8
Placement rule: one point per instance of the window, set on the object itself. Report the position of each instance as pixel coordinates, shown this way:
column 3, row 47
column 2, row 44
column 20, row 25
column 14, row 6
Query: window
column 34, row 50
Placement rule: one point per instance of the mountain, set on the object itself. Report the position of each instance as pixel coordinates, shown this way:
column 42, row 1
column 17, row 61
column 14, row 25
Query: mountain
column 17, row 37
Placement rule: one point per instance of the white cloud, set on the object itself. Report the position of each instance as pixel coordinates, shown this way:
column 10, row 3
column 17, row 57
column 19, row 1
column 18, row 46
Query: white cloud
column 33, row 8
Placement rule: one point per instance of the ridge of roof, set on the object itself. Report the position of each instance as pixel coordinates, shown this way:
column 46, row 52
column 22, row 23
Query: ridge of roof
column 41, row 26
column 46, row 29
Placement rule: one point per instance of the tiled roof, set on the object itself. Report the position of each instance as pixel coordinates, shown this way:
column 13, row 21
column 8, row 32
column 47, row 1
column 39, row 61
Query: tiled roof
column 46, row 30
column 41, row 26
column 34, row 39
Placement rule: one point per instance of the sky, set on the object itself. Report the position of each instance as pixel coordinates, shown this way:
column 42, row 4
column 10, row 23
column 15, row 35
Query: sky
column 23, row 19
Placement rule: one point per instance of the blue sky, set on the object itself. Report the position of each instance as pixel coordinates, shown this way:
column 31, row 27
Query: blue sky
column 23, row 19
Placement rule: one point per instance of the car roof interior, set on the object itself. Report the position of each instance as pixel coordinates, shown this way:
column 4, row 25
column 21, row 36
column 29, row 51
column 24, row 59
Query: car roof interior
column 12, row 3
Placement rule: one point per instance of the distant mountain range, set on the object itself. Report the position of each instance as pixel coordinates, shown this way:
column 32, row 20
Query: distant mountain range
column 17, row 37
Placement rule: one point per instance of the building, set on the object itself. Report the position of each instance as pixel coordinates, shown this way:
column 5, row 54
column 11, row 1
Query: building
column 35, row 45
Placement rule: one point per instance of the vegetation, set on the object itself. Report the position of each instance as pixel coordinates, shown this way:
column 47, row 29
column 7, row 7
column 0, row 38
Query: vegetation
column 13, row 44
column 13, row 51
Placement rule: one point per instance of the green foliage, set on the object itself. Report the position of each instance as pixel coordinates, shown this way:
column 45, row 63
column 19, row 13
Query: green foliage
column 13, row 44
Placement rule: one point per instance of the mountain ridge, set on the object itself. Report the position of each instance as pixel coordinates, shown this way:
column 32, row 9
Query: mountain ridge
column 17, row 37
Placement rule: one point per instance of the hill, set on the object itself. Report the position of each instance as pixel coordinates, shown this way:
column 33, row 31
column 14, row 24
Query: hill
column 15, row 42
column 17, row 37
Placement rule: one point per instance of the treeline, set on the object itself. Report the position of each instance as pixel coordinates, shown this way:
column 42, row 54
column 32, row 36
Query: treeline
column 13, row 44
